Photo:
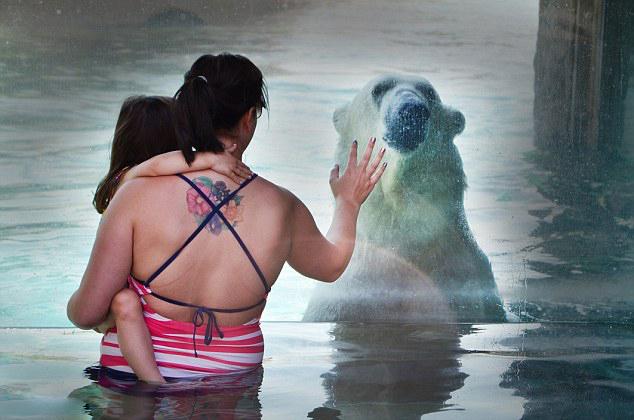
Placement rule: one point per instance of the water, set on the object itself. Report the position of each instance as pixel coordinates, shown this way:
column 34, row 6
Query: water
column 559, row 238
column 349, row 370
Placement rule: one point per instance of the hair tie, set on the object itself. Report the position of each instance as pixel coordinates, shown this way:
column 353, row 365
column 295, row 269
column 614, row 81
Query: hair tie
column 202, row 77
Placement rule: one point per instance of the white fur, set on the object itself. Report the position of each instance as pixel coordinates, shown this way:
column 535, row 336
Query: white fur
column 416, row 256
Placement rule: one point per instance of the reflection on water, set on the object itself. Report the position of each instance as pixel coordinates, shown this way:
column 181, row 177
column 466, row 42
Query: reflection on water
column 369, row 370
column 219, row 397
column 585, row 372
column 410, row 370
column 375, row 370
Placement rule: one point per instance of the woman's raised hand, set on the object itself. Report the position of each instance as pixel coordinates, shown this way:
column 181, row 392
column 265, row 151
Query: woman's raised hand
column 227, row 164
column 359, row 178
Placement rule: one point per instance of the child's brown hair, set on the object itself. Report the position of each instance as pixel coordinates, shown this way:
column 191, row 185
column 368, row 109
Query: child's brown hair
column 145, row 128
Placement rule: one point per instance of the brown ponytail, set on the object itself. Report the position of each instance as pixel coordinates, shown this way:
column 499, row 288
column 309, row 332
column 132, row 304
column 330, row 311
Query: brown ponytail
column 217, row 91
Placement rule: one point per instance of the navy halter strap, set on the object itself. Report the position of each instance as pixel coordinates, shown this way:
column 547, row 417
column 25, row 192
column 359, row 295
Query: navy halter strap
column 199, row 316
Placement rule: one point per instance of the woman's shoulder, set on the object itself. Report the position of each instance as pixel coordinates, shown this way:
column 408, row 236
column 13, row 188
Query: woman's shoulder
column 138, row 191
column 268, row 185
column 273, row 191
column 149, row 184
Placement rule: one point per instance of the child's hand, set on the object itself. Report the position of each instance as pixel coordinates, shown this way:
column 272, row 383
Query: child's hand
column 106, row 324
column 226, row 164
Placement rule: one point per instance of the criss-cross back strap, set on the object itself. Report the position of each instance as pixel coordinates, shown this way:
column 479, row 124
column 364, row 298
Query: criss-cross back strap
column 216, row 208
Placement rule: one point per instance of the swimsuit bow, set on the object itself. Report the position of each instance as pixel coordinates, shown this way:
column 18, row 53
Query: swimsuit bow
column 212, row 323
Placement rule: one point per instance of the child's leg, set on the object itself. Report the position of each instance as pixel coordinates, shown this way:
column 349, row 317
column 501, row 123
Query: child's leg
column 133, row 336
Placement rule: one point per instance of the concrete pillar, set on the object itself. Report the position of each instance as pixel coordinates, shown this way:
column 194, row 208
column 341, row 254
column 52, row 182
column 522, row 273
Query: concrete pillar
column 581, row 75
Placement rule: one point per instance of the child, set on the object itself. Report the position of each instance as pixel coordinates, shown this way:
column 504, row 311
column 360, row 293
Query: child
column 145, row 144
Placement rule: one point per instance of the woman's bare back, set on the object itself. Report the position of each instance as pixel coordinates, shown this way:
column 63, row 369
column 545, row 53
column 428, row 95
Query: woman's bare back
column 213, row 270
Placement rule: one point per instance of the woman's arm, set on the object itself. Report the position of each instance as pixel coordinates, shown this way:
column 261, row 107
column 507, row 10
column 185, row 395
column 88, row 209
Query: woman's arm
column 109, row 264
column 326, row 258
column 171, row 163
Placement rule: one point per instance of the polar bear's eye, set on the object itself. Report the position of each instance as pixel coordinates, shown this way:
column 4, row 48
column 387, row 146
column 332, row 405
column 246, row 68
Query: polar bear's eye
column 427, row 91
column 381, row 88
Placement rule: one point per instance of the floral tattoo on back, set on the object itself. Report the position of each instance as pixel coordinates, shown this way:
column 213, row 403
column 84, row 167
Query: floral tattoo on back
column 216, row 192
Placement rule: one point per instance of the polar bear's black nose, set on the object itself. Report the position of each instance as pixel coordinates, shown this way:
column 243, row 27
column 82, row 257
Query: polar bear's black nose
column 405, row 121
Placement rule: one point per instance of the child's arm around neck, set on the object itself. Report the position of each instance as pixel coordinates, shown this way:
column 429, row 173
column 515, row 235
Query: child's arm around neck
column 172, row 163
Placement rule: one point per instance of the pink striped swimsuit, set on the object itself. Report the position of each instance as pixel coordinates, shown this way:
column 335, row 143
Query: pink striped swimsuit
column 179, row 349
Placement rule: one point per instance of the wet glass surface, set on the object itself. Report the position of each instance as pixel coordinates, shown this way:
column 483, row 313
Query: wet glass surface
column 545, row 226
column 547, row 96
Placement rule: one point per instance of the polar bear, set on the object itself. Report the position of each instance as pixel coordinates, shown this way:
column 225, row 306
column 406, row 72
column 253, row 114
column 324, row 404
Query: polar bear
column 416, row 258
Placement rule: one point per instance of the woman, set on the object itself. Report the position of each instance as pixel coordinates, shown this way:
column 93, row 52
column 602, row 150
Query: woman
column 209, row 249
column 145, row 144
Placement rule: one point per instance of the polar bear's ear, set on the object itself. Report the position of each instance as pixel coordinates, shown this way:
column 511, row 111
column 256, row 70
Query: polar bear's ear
column 339, row 117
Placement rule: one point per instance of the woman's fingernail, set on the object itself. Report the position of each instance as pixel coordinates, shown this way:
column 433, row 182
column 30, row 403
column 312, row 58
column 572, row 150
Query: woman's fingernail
column 373, row 139
column 384, row 164
column 383, row 150
column 354, row 142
